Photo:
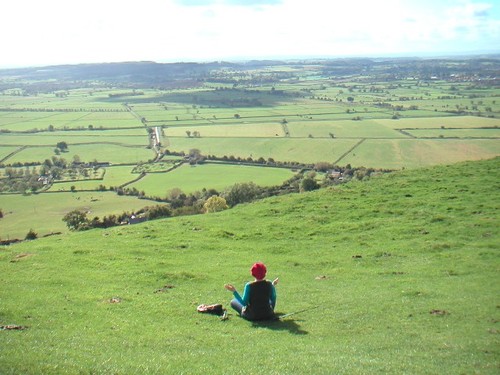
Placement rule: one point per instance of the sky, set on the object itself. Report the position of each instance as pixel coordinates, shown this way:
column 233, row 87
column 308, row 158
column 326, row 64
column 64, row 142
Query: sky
column 50, row 32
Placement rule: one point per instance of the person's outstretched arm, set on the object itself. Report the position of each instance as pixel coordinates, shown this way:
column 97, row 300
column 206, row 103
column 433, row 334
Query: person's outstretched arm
column 246, row 293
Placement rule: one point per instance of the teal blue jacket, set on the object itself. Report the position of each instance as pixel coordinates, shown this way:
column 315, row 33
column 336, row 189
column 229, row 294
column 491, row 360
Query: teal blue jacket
column 246, row 296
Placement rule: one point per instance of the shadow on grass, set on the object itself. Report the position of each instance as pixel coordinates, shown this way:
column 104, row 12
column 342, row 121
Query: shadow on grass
column 287, row 324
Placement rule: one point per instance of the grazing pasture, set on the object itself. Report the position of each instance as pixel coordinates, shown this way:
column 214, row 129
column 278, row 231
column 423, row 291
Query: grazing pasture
column 260, row 130
column 44, row 212
column 396, row 154
column 306, row 150
column 209, row 176
column 99, row 150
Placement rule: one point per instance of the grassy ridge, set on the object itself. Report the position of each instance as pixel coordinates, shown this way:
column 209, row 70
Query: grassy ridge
column 377, row 257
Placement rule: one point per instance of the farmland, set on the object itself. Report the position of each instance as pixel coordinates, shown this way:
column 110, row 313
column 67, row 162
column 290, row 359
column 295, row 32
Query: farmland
column 388, row 114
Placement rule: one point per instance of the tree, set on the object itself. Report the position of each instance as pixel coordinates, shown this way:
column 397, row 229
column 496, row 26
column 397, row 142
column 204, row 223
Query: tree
column 241, row 193
column 63, row 146
column 1, row 213
column 215, row 204
column 158, row 211
column 195, row 155
column 76, row 220
column 308, row 184
column 174, row 193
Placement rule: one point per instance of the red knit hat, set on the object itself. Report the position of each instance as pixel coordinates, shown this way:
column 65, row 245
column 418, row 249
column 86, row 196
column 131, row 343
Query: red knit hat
column 259, row 270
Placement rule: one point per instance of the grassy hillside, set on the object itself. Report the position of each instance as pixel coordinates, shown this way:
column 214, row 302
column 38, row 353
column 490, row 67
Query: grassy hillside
column 404, row 269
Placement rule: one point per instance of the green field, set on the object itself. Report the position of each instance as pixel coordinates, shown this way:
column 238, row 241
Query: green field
column 402, row 273
column 283, row 149
column 210, row 176
column 104, row 152
column 406, row 153
column 44, row 212
column 493, row 133
column 468, row 122
column 49, row 139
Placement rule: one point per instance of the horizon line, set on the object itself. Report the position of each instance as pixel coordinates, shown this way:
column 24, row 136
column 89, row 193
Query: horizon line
column 243, row 59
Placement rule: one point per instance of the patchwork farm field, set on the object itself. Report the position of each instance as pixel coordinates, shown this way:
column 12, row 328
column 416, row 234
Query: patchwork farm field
column 288, row 114
column 100, row 150
column 420, row 152
column 194, row 178
column 284, row 149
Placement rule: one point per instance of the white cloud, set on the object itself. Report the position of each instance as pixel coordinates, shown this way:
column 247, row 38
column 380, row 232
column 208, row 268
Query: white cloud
column 61, row 31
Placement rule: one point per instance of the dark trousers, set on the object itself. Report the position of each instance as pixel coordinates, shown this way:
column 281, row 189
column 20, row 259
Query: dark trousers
column 238, row 307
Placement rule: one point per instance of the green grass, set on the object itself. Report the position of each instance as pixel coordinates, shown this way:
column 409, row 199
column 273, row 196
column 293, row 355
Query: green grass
column 44, row 212
column 267, row 130
column 456, row 133
column 95, row 137
column 22, row 121
column 102, row 152
column 437, row 122
column 306, row 150
column 6, row 151
column 377, row 256
column 415, row 153
column 210, row 176
column 342, row 129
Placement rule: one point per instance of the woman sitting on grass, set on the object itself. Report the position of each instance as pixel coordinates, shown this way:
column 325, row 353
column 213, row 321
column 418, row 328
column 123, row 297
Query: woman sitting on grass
column 259, row 296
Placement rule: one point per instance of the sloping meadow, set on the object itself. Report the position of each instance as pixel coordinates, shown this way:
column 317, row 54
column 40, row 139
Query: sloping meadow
column 397, row 274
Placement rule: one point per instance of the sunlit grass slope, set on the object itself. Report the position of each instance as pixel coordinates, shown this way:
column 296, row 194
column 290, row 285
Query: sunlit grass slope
column 404, row 269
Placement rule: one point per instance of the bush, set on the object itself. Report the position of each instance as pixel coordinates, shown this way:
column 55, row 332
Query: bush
column 31, row 235
column 76, row 220
column 158, row 211
column 241, row 193
column 323, row 166
column 308, row 184
column 215, row 204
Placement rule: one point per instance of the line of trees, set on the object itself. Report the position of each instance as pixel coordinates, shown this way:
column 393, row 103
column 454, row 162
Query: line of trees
column 78, row 220
column 22, row 180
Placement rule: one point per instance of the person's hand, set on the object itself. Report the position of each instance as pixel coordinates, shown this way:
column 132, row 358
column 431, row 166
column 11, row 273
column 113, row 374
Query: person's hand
column 230, row 287
column 275, row 281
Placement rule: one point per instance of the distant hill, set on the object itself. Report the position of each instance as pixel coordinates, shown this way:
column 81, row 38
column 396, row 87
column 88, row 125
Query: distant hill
column 149, row 72
column 133, row 72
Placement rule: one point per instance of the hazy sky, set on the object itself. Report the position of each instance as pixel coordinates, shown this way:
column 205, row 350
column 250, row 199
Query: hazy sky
column 42, row 32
